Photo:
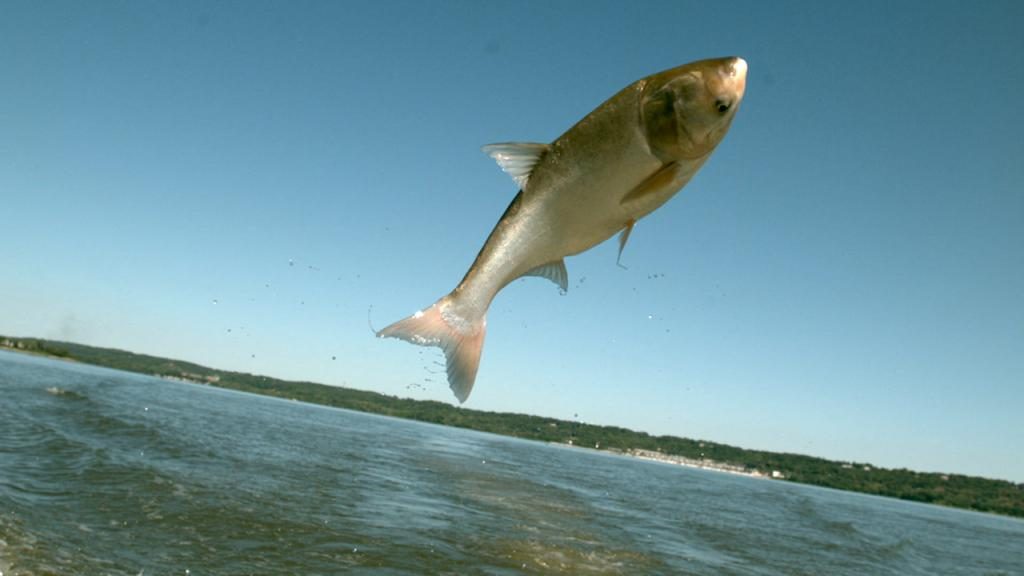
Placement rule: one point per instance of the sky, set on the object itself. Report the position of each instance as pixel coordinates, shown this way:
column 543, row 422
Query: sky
column 253, row 185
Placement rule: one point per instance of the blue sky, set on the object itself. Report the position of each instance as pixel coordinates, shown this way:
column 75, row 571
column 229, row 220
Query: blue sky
column 246, row 184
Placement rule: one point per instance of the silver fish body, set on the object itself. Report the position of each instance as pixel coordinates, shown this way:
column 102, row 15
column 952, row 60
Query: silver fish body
column 616, row 165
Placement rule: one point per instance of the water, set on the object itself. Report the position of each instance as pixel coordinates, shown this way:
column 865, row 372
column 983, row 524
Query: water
column 103, row 472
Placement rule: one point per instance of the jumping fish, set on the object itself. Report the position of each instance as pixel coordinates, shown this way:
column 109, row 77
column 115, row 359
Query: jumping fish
column 616, row 165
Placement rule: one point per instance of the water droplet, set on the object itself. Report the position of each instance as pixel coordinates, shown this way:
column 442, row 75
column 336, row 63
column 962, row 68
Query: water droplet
column 215, row 301
column 291, row 262
column 650, row 316
column 334, row 357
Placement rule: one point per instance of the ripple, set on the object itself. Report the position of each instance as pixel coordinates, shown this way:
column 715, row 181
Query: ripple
column 65, row 393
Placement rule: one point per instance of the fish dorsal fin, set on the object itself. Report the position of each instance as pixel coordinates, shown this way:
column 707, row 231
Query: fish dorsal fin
column 554, row 271
column 517, row 159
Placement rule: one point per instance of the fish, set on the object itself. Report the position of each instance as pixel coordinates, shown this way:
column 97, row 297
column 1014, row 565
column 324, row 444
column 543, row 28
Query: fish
column 622, row 161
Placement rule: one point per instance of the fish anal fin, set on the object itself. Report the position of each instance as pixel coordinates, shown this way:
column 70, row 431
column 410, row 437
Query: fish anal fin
column 623, row 238
column 666, row 179
column 517, row 159
column 554, row 271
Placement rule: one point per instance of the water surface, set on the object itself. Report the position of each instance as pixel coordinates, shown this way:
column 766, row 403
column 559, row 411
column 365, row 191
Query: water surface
column 105, row 472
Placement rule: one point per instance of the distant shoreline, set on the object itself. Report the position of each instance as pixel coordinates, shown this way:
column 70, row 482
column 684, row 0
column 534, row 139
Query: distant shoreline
column 703, row 464
column 953, row 490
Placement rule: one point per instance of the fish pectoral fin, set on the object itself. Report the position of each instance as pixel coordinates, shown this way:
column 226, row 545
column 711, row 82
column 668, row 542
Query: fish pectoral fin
column 517, row 159
column 666, row 177
column 554, row 271
column 623, row 238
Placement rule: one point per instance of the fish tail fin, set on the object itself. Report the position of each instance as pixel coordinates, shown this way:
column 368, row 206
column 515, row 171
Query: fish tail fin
column 459, row 335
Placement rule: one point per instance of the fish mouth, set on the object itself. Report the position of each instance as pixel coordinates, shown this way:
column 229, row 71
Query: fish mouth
column 738, row 71
column 739, row 68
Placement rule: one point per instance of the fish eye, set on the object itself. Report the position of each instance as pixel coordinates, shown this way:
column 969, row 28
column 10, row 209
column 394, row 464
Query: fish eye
column 722, row 106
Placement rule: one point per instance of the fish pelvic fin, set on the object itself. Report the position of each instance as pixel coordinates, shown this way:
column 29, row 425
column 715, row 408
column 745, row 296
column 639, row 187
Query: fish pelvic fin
column 623, row 238
column 460, row 338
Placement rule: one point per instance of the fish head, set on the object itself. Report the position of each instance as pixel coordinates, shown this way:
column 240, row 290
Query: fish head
column 686, row 111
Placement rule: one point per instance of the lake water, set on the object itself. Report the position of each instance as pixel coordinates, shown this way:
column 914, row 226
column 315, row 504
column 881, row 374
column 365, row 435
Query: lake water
column 104, row 472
